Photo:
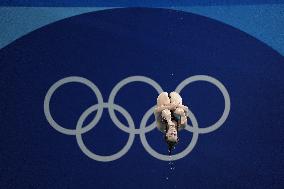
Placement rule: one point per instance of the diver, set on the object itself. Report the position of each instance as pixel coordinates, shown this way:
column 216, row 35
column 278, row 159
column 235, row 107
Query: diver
column 171, row 117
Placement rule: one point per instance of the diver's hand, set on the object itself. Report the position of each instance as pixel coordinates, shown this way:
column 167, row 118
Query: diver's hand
column 163, row 107
column 174, row 105
column 185, row 108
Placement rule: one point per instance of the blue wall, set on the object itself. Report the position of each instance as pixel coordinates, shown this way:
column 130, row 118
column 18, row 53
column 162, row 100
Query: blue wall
column 166, row 46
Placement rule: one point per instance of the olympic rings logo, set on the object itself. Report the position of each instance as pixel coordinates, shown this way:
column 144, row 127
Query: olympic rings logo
column 143, row 129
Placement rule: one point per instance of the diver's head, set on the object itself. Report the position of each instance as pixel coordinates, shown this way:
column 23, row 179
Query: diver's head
column 171, row 137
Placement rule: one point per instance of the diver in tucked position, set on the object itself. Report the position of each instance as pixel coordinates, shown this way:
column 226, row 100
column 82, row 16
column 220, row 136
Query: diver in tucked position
column 171, row 116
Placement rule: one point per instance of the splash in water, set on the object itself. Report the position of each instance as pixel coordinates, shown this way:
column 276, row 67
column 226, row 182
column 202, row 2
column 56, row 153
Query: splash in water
column 171, row 170
column 171, row 162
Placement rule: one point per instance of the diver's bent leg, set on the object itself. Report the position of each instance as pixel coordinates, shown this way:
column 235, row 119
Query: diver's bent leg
column 167, row 116
column 180, row 115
